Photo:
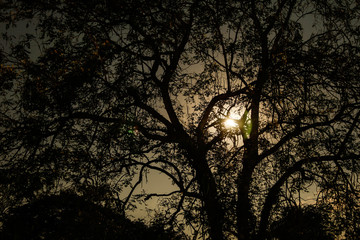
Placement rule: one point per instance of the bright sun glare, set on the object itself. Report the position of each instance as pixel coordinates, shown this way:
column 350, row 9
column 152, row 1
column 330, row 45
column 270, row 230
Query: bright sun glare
column 230, row 123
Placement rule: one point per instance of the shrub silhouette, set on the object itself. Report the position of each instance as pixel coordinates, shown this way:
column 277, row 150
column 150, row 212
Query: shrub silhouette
column 307, row 223
column 69, row 216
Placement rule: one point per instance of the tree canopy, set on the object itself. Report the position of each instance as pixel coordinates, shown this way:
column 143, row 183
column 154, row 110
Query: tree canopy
column 95, row 95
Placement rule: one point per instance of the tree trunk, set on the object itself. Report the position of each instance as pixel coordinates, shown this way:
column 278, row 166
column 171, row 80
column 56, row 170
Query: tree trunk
column 243, row 208
column 215, row 217
column 249, row 161
column 208, row 189
column 243, row 214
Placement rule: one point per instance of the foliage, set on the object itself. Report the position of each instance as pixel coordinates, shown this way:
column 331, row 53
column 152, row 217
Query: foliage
column 303, row 223
column 69, row 216
column 98, row 95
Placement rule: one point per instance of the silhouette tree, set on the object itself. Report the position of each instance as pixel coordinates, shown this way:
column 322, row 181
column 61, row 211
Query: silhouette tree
column 116, row 89
column 69, row 216
column 303, row 223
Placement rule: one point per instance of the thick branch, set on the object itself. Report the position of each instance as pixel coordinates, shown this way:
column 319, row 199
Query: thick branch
column 295, row 133
column 170, row 71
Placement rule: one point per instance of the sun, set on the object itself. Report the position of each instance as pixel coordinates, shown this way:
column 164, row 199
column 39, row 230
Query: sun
column 230, row 123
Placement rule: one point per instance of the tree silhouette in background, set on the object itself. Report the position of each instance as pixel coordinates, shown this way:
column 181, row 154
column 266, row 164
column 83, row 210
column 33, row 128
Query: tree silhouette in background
column 69, row 216
column 303, row 223
column 99, row 93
